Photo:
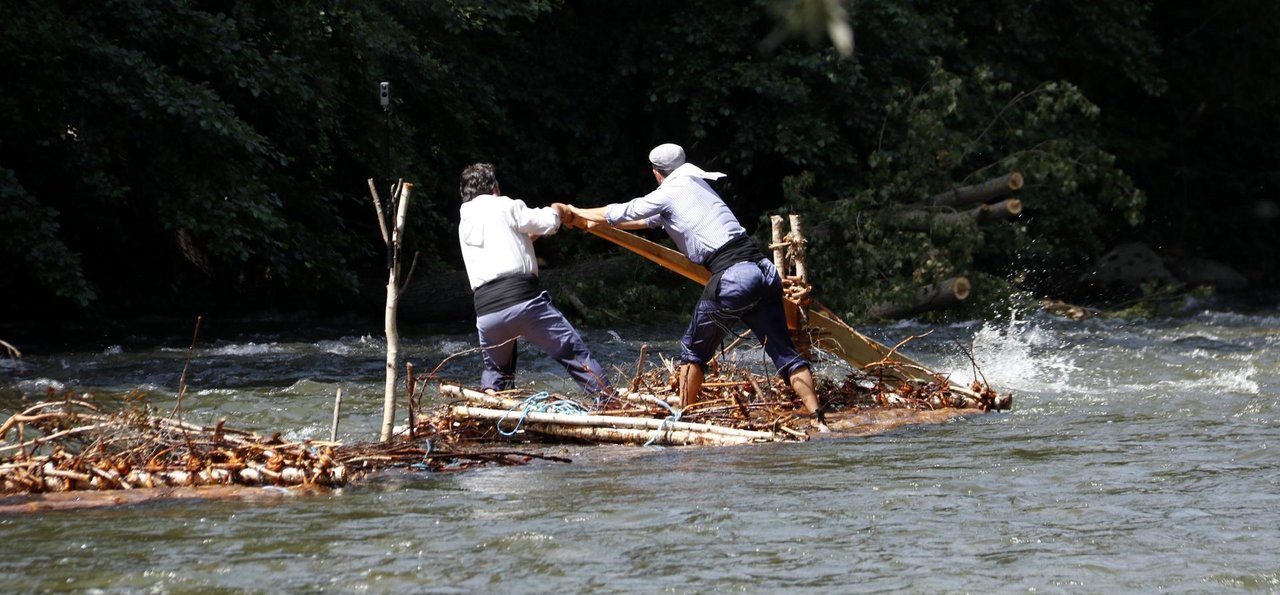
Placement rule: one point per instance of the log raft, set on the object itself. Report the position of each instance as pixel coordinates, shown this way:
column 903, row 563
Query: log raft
column 613, row 429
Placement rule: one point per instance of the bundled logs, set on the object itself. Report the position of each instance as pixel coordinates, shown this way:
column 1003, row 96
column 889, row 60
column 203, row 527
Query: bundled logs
column 70, row 444
column 926, row 221
column 977, row 193
column 735, row 406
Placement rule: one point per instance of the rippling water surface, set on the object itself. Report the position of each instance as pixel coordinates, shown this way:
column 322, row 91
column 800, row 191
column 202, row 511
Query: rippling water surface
column 1139, row 457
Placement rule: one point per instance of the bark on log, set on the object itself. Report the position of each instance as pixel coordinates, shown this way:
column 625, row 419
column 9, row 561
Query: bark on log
column 394, row 289
column 924, row 221
column 976, row 193
column 636, row 437
column 678, row 431
column 932, row 297
column 779, row 253
column 1001, row 211
column 798, row 249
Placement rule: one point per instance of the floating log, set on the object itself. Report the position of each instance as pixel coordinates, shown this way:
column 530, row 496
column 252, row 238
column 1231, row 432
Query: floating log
column 931, row 297
column 615, row 429
column 497, row 407
column 976, row 193
column 80, row 500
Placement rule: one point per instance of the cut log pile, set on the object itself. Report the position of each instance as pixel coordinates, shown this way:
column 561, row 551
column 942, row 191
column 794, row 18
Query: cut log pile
column 70, row 444
column 942, row 214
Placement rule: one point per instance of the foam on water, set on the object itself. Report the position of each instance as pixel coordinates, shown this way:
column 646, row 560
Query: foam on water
column 1234, row 380
column 40, row 385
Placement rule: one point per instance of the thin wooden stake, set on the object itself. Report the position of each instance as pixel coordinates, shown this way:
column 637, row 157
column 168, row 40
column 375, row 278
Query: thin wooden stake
column 635, row 382
column 337, row 406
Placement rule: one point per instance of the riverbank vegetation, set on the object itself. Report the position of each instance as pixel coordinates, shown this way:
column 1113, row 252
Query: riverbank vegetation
column 190, row 156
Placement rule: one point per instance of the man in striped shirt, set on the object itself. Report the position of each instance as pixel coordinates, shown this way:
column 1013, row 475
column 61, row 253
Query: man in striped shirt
column 744, row 284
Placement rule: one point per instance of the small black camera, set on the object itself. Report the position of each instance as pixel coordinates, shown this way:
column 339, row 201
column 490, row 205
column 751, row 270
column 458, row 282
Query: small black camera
column 384, row 94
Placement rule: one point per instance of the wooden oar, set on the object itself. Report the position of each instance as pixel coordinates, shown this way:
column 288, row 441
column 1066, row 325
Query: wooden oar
column 664, row 256
column 838, row 338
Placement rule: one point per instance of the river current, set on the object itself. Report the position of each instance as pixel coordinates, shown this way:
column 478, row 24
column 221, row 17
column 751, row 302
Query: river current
column 1140, row 456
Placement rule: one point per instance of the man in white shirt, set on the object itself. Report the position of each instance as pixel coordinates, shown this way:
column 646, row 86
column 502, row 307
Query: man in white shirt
column 496, row 234
column 744, row 285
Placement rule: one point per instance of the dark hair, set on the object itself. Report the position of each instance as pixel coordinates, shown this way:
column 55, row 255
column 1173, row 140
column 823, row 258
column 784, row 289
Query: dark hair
column 477, row 179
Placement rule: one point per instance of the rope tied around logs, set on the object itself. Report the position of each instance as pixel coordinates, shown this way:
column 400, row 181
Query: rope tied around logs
column 670, row 419
column 540, row 402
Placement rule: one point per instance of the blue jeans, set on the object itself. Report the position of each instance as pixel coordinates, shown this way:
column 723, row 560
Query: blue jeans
column 540, row 323
column 750, row 292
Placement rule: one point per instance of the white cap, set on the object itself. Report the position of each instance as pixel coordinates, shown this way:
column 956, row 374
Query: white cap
column 666, row 157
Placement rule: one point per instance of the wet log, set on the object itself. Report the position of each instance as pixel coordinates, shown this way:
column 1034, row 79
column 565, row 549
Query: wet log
column 927, row 221
column 976, row 193
column 931, row 297
column 661, row 431
column 79, row 500
column 49, row 478
column 512, row 409
column 636, row 437
column 871, row 422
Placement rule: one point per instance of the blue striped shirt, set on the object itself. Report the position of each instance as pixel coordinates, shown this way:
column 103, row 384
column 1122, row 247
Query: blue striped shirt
column 685, row 206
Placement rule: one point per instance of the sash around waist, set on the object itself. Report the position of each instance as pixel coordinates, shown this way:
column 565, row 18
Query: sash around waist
column 734, row 251
column 504, row 292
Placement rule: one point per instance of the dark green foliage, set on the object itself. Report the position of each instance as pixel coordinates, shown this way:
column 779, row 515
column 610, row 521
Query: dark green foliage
column 955, row 131
column 180, row 155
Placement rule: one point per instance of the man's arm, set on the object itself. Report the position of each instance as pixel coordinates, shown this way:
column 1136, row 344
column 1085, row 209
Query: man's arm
column 535, row 222
column 595, row 216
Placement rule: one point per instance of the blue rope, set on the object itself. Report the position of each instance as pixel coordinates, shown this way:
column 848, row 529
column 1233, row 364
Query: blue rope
column 673, row 418
column 539, row 402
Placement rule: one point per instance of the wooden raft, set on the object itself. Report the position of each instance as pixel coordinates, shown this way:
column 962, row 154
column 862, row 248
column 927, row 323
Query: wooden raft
column 887, row 389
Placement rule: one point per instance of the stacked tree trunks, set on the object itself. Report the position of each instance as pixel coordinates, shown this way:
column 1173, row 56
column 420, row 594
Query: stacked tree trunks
column 71, row 444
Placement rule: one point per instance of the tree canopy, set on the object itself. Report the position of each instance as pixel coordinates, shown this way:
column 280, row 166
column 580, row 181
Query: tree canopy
column 163, row 156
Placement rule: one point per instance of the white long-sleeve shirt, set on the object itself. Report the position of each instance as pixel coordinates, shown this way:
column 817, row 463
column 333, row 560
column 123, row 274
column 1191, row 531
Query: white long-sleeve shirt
column 495, row 234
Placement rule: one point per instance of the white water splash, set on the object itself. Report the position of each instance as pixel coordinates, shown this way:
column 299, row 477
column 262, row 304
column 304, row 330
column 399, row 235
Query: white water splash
column 249, row 348
column 1016, row 354
column 340, row 347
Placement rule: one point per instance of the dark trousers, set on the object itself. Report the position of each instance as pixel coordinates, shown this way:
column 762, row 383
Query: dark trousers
column 540, row 323
column 750, row 292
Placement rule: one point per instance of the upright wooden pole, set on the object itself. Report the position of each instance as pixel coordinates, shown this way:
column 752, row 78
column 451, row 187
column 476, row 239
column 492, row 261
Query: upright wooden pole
column 401, row 204
column 798, row 249
column 776, row 242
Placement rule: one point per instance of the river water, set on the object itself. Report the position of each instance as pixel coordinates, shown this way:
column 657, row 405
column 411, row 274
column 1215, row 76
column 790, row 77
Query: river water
column 1139, row 457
